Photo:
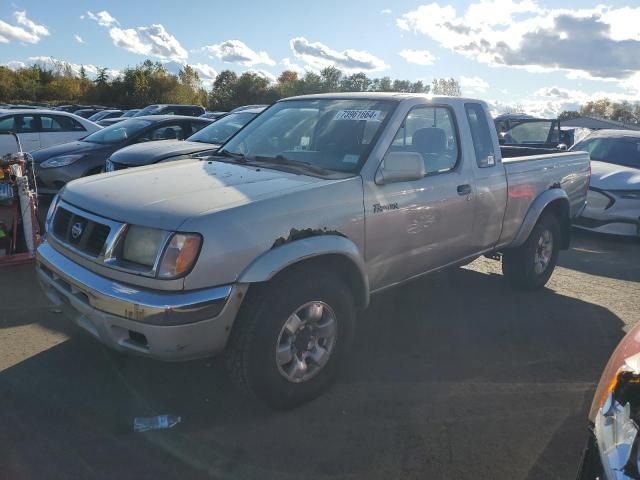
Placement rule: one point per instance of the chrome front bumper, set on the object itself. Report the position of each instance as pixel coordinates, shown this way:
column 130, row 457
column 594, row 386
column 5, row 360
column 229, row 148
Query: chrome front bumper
column 158, row 324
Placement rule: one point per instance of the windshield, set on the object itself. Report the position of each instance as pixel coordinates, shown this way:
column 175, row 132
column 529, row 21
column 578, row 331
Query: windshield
column 150, row 110
column 619, row 151
column 130, row 113
column 118, row 133
column 222, row 130
column 524, row 132
column 330, row 134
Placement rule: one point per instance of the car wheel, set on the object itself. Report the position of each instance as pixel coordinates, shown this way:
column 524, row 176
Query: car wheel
column 290, row 337
column 530, row 266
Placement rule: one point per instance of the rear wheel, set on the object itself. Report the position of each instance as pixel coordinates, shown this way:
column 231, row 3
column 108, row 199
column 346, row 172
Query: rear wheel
column 530, row 266
column 290, row 336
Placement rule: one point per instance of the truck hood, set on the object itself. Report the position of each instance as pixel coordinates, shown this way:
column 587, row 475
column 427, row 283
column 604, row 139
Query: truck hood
column 609, row 176
column 166, row 195
column 152, row 152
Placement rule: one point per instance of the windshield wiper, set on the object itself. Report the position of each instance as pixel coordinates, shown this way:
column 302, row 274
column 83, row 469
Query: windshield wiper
column 238, row 157
column 282, row 160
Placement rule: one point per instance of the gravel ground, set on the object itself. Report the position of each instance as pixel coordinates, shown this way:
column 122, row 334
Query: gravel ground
column 454, row 376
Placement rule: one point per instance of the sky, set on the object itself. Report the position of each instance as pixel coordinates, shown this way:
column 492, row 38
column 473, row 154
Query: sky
column 543, row 57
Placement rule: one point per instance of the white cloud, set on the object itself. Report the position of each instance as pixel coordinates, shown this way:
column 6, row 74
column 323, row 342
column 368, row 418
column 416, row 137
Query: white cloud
column 153, row 41
column 521, row 34
column 14, row 65
column 385, row 11
column 103, row 18
column 236, row 51
column 319, row 56
column 78, row 38
column 55, row 64
column 264, row 74
column 473, row 84
column 419, row 57
column 206, row 72
column 26, row 31
column 294, row 67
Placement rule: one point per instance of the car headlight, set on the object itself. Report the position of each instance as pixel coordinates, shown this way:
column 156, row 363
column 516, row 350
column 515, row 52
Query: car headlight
column 51, row 212
column 616, row 420
column 180, row 255
column 142, row 244
column 60, row 161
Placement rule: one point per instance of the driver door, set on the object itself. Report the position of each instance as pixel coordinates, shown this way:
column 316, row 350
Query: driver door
column 419, row 225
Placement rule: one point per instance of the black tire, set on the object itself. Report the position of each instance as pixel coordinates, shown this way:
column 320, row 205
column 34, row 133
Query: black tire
column 518, row 264
column 250, row 354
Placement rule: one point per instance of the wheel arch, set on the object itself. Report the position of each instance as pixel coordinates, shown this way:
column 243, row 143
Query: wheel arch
column 331, row 252
column 554, row 201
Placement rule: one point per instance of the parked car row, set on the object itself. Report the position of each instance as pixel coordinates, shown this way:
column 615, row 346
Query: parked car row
column 134, row 141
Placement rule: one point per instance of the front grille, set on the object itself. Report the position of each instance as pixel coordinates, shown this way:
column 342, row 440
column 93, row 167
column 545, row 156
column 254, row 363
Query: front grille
column 79, row 232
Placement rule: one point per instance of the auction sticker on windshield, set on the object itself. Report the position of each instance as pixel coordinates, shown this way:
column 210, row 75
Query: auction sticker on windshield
column 358, row 115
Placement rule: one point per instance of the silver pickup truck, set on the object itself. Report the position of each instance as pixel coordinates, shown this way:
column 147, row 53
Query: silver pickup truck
column 266, row 250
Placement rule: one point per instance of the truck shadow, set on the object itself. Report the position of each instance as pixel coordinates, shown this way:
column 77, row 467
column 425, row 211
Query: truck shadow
column 451, row 376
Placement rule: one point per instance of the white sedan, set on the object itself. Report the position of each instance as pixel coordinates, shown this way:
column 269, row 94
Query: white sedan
column 41, row 128
column 613, row 201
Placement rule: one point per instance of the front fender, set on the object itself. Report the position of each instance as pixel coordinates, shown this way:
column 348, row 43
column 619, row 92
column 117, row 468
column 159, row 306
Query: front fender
column 541, row 202
column 270, row 263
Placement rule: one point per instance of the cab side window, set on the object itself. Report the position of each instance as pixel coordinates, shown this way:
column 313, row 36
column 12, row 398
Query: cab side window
column 481, row 135
column 431, row 132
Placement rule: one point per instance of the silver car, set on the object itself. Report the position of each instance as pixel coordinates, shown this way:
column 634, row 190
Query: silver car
column 613, row 201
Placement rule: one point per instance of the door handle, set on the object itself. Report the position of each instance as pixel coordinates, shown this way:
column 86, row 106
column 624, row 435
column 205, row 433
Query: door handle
column 464, row 189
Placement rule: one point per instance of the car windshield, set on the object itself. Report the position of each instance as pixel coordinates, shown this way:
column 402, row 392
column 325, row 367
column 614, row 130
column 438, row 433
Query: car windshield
column 222, row 130
column 130, row 113
column 119, row 132
column 150, row 110
column 331, row 134
column 617, row 150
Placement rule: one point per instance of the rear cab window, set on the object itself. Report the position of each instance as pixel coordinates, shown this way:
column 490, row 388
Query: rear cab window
column 481, row 135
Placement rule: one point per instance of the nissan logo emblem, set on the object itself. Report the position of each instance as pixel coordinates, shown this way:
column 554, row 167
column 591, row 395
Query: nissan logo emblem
column 76, row 230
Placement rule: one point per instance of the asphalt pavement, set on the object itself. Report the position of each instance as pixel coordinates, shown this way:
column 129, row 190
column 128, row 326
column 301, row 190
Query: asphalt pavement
column 454, row 376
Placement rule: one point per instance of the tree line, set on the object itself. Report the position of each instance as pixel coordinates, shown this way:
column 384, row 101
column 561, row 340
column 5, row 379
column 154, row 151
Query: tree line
column 625, row 111
column 150, row 82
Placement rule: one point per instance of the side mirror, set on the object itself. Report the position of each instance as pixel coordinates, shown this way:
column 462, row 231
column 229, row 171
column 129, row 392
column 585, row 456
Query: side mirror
column 562, row 146
column 400, row 167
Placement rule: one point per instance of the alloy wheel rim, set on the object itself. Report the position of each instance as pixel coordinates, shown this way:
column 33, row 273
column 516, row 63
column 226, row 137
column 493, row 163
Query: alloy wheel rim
column 544, row 251
column 306, row 341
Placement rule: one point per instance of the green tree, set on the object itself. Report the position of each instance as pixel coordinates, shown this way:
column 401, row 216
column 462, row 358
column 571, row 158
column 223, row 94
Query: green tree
column 221, row 95
column 569, row 115
column 446, row 86
column 331, row 78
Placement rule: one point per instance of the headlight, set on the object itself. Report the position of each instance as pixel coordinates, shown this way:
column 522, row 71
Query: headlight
column 180, row 255
column 616, row 420
column 60, row 161
column 51, row 212
column 141, row 245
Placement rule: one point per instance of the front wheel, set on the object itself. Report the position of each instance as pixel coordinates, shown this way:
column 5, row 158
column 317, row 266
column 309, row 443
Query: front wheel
column 530, row 266
column 290, row 336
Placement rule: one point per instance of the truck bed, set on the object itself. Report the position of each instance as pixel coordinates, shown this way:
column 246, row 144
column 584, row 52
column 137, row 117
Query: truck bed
column 529, row 176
